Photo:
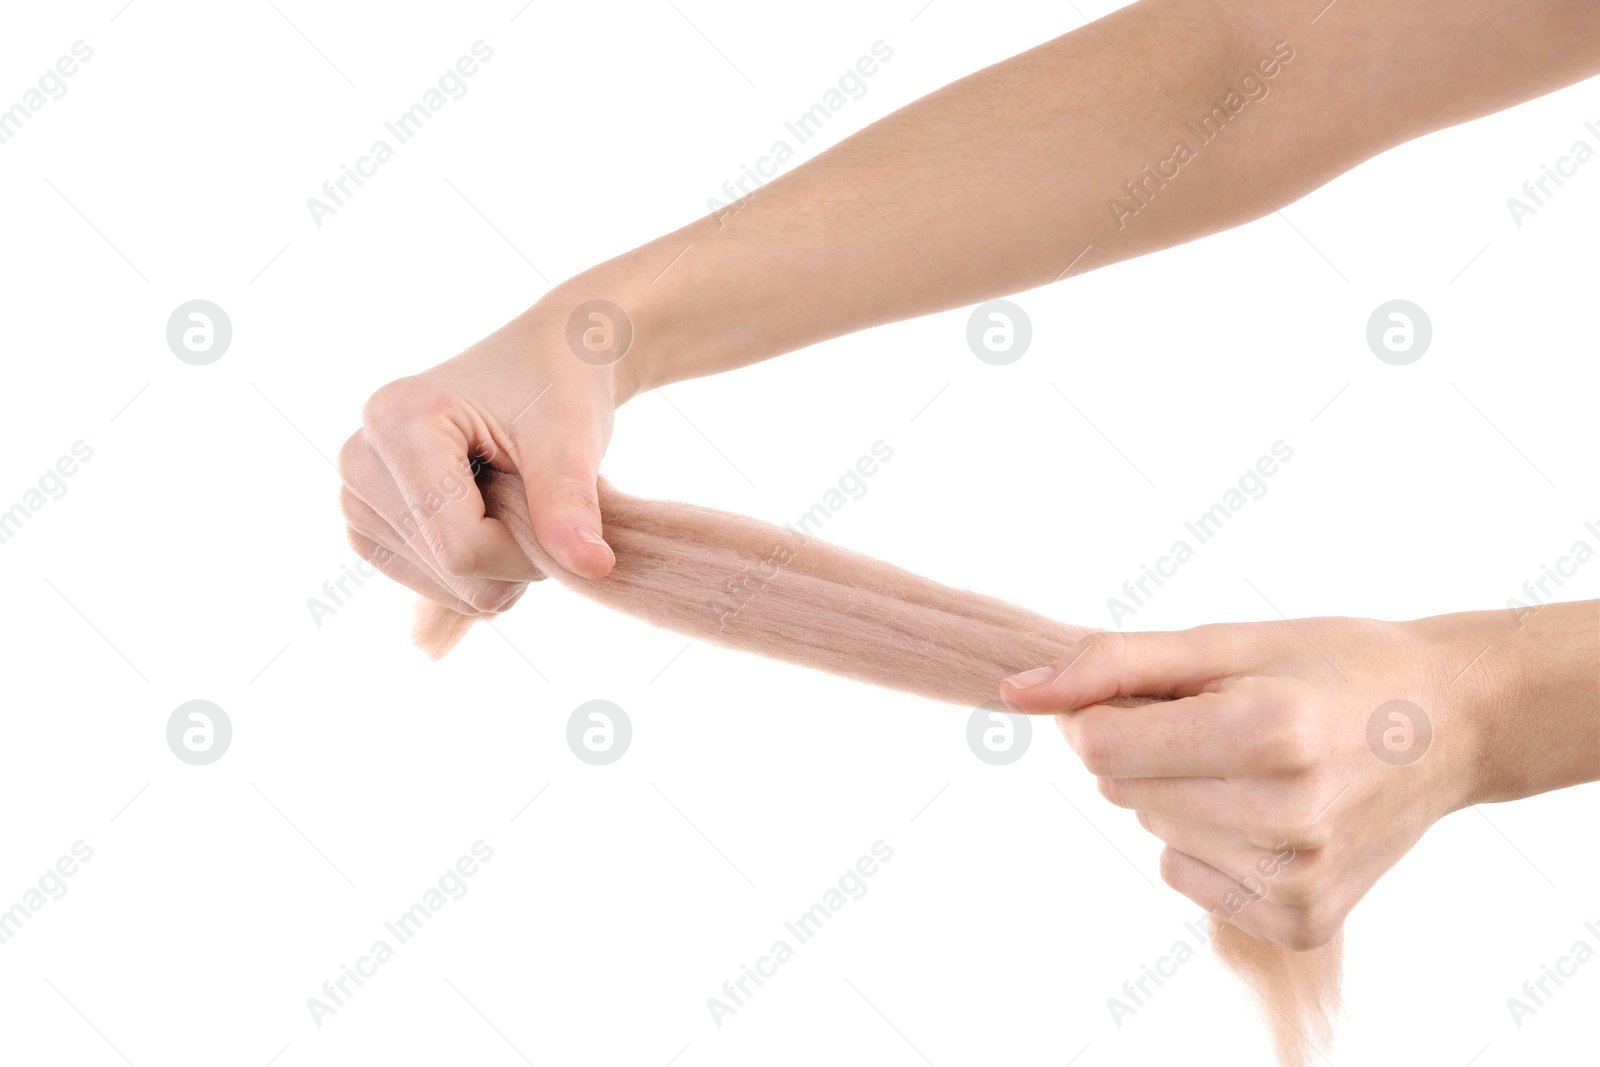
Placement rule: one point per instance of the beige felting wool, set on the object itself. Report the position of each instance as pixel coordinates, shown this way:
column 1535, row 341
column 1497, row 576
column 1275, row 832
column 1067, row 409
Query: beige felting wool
column 748, row 585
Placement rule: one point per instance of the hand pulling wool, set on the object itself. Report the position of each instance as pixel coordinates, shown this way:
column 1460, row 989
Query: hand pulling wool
column 748, row 585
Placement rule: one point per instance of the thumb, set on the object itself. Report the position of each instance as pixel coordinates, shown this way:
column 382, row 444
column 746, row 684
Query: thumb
column 559, row 478
column 1105, row 666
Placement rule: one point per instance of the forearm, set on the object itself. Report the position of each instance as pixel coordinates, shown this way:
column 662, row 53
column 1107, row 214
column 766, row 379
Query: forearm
column 1010, row 178
column 1527, row 693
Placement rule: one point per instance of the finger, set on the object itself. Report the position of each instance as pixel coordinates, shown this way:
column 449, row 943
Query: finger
column 1223, row 896
column 426, row 442
column 1299, row 928
column 364, row 520
column 1255, row 869
column 1270, row 815
column 408, row 574
column 1108, row 665
column 370, row 481
column 482, row 594
column 1230, row 733
column 1201, row 802
column 559, row 470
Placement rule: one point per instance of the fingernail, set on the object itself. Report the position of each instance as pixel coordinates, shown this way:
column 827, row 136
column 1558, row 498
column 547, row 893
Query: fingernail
column 586, row 534
column 1028, row 679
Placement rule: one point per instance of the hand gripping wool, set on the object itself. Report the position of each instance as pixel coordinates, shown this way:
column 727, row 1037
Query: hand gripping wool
column 751, row 586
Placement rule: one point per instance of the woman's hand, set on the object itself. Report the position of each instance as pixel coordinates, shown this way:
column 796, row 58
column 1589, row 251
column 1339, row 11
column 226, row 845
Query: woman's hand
column 1300, row 760
column 520, row 400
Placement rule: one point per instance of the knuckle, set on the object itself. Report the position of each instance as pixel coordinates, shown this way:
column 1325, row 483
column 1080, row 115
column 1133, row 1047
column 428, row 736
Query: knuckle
column 1257, row 887
column 379, row 555
column 456, row 557
column 1298, row 890
column 1305, row 931
column 1304, row 835
column 1299, row 742
column 510, row 597
column 1172, row 868
column 1296, row 884
column 1268, row 875
column 482, row 597
column 1094, row 749
column 363, row 545
column 1261, row 830
column 352, row 507
column 1111, row 790
column 402, row 400
column 1288, row 737
column 355, row 457
column 1280, row 832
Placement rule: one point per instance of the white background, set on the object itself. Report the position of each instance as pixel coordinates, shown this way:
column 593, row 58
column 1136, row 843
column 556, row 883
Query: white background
column 179, row 563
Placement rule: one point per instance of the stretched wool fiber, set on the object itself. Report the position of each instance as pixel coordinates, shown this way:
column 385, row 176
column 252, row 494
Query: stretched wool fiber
column 748, row 585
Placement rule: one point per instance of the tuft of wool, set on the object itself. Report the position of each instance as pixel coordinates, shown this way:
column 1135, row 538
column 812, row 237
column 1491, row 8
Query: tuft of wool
column 752, row 586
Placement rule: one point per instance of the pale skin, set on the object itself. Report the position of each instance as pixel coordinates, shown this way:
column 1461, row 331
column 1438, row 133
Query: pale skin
column 1267, row 743
column 995, row 184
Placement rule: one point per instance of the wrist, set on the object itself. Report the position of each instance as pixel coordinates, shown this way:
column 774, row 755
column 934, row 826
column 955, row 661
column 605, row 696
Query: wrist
column 597, row 319
column 1464, row 687
column 672, row 296
column 1521, row 689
